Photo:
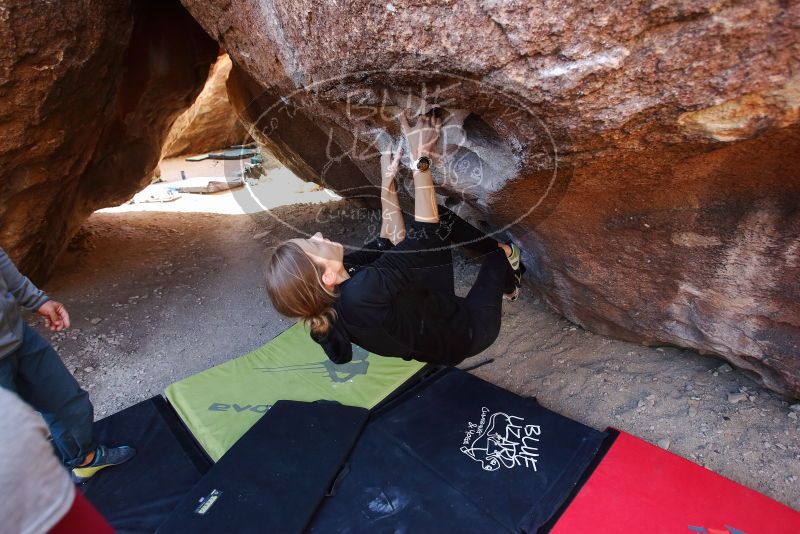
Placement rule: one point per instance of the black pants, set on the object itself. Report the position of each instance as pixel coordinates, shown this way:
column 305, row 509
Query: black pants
column 496, row 277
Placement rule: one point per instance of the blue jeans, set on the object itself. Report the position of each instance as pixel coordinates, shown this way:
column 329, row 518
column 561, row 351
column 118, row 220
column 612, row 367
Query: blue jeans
column 37, row 374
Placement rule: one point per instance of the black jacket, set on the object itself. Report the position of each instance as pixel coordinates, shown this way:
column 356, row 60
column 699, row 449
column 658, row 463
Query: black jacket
column 336, row 342
column 399, row 301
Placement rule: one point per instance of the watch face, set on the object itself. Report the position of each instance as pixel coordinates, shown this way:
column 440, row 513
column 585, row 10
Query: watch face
column 423, row 163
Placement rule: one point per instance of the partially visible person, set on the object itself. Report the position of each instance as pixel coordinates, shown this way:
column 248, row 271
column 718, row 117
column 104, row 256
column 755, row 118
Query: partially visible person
column 30, row 367
column 39, row 495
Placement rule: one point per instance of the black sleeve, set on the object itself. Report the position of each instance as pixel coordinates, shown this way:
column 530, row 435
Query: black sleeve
column 387, row 275
column 335, row 343
column 368, row 254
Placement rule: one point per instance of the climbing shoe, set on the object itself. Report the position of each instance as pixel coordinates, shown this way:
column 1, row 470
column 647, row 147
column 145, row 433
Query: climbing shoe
column 514, row 258
column 519, row 269
column 103, row 457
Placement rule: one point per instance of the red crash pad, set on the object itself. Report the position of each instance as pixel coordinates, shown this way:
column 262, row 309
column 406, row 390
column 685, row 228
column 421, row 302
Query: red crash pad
column 638, row 487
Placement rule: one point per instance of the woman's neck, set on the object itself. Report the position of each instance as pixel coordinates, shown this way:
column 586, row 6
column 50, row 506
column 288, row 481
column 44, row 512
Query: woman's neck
column 341, row 276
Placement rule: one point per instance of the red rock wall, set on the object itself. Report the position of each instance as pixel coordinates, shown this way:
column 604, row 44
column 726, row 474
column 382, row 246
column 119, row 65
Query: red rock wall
column 648, row 165
column 87, row 95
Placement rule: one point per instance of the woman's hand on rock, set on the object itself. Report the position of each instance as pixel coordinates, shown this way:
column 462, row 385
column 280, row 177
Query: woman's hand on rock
column 422, row 137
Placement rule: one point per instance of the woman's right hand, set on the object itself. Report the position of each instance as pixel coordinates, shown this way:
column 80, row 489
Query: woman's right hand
column 390, row 164
column 421, row 137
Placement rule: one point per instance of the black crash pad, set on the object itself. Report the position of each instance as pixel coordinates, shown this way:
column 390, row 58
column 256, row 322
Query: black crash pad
column 139, row 494
column 276, row 474
column 458, row 454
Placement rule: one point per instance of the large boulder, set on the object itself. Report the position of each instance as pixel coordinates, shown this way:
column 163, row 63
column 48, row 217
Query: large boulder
column 644, row 153
column 210, row 123
column 88, row 92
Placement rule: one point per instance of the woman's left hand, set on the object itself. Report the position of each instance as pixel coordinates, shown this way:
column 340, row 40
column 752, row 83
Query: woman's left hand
column 390, row 164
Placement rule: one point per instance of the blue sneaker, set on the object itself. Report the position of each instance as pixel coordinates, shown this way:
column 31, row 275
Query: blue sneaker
column 103, row 457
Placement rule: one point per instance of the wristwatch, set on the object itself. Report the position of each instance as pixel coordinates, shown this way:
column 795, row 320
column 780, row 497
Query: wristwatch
column 423, row 163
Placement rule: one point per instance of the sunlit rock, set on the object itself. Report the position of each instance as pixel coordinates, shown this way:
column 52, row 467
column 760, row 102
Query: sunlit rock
column 210, row 124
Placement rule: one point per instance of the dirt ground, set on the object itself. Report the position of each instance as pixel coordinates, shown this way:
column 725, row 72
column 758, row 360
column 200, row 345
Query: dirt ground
column 156, row 296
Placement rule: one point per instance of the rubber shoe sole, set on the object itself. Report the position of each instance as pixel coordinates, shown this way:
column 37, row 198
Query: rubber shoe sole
column 108, row 457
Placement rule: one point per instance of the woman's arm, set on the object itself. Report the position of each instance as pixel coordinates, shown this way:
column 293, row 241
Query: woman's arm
column 393, row 227
column 379, row 283
column 425, row 208
column 422, row 138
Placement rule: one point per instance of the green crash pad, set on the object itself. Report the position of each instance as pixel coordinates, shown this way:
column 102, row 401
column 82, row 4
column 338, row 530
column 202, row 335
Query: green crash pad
column 220, row 404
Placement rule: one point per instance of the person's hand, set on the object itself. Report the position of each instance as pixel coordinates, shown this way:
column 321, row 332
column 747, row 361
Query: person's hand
column 421, row 137
column 390, row 164
column 55, row 315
